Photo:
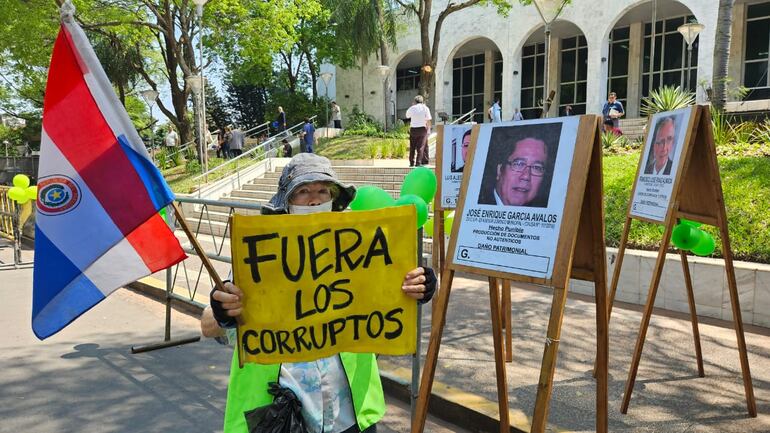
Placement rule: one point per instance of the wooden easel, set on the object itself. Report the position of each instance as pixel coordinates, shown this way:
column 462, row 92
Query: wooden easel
column 697, row 196
column 439, row 232
column 580, row 254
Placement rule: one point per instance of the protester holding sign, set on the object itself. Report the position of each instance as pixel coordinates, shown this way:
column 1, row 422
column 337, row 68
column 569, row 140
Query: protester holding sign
column 340, row 393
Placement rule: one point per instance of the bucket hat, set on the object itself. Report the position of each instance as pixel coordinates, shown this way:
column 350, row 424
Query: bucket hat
column 307, row 168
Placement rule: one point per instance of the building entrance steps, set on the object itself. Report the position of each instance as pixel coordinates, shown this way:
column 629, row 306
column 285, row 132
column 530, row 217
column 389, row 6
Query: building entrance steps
column 668, row 397
column 634, row 129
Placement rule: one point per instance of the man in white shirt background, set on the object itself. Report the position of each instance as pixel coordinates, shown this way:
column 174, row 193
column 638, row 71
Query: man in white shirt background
column 419, row 129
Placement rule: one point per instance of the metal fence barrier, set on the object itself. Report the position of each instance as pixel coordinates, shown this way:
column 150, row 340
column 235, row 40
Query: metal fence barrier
column 11, row 228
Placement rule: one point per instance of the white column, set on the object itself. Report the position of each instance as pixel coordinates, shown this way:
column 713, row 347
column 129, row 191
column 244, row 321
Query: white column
column 511, row 84
column 737, row 46
column 554, row 74
column 635, row 56
column 596, row 86
column 489, row 80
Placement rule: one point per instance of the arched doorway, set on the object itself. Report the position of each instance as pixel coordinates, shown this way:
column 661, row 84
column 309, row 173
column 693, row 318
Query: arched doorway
column 407, row 82
column 476, row 78
column 568, row 72
column 633, row 69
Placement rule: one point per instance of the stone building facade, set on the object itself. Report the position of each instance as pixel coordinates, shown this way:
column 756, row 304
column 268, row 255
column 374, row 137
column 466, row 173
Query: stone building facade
column 597, row 46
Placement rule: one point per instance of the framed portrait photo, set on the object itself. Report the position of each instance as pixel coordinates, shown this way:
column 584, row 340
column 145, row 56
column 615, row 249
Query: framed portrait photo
column 515, row 196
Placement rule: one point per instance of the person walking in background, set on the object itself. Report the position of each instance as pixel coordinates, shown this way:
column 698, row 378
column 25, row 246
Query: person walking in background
column 495, row 112
column 517, row 114
column 221, row 152
column 613, row 110
column 236, row 144
column 419, row 129
column 281, row 120
column 336, row 115
column 172, row 138
column 308, row 135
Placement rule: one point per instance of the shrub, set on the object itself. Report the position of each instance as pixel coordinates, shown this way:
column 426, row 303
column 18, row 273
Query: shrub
column 176, row 157
column 385, row 149
column 192, row 166
column 372, row 150
column 666, row 98
column 733, row 138
column 161, row 158
column 399, row 150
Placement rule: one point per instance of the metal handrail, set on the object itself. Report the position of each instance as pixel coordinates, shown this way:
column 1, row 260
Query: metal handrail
column 265, row 146
column 468, row 115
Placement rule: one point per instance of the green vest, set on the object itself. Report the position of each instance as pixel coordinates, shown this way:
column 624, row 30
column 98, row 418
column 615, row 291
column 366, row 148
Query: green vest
column 248, row 389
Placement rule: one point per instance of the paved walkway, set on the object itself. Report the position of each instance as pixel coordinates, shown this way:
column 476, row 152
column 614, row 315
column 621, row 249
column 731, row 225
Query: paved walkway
column 668, row 397
column 85, row 379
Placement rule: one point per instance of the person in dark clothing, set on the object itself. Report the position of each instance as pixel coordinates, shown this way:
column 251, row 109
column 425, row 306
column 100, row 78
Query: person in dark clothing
column 281, row 120
column 286, row 148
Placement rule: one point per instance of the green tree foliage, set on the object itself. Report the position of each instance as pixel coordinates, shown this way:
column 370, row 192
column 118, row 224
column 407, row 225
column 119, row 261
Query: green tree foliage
column 217, row 114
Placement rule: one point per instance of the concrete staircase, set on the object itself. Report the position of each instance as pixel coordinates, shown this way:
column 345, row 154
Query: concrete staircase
column 633, row 129
column 213, row 219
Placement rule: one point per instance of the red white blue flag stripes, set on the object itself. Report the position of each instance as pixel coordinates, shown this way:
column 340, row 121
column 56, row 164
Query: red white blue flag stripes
column 97, row 223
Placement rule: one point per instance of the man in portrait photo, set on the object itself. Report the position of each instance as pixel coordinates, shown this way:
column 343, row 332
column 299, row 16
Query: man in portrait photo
column 519, row 165
column 459, row 164
column 660, row 158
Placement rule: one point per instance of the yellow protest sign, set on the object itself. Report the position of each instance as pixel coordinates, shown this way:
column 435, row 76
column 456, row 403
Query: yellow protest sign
column 315, row 285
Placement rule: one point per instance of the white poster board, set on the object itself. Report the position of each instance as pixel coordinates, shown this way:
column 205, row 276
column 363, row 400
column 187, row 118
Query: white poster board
column 660, row 164
column 514, row 202
column 457, row 140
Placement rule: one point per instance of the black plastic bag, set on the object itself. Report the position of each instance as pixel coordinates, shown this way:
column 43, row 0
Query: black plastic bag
column 281, row 416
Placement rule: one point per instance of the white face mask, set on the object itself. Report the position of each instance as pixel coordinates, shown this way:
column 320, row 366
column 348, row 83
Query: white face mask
column 304, row 210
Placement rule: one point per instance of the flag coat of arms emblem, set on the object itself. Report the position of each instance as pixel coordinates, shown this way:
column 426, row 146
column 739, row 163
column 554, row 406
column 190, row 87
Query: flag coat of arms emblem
column 97, row 226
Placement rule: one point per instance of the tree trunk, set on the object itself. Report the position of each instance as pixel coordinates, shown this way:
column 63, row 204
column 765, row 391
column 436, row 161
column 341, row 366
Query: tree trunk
column 722, row 53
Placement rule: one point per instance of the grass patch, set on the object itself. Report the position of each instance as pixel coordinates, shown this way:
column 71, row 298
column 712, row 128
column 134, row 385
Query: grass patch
column 746, row 188
column 358, row 147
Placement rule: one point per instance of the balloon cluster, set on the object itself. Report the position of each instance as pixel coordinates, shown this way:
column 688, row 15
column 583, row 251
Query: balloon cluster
column 21, row 192
column 688, row 236
column 418, row 190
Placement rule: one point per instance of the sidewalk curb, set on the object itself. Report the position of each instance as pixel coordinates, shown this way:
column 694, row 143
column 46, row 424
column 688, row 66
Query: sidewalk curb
column 469, row 411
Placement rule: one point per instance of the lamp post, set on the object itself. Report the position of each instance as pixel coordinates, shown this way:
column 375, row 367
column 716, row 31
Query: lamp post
column 149, row 97
column 384, row 71
column 690, row 32
column 205, row 160
column 326, row 77
column 549, row 10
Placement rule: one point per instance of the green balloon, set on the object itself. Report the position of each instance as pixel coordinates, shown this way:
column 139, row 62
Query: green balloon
column 690, row 223
column 420, row 182
column 706, row 245
column 427, row 229
column 370, row 197
column 685, row 237
column 21, row 180
column 17, row 194
column 419, row 203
